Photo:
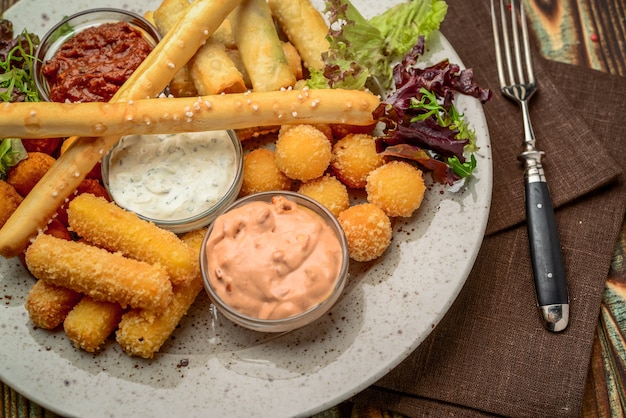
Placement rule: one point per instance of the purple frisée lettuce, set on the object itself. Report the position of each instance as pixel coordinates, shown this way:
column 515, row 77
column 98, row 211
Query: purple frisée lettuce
column 418, row 114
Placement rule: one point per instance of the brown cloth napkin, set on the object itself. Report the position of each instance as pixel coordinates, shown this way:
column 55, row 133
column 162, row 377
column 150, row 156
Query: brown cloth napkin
column 490, row 355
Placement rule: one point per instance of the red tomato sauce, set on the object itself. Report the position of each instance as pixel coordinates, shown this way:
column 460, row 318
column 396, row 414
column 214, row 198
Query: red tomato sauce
column 93, row 65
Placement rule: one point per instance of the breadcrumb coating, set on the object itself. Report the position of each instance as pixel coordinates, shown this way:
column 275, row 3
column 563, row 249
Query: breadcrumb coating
column 261, row 173
column 29, row 171
column 397, row 188
column 367, row 229
column 91, row 322
column 108, row 226
column 142, row 333
column 302, row 152
column 353, row 157
column 10, row 199
column 48, row 304
column 328, row 191
column 98, row 273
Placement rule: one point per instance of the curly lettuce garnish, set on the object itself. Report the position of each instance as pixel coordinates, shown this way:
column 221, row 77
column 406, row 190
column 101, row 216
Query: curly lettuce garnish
column 16, row 64
column 16, row 84
column 363, row 50
column 421, row 122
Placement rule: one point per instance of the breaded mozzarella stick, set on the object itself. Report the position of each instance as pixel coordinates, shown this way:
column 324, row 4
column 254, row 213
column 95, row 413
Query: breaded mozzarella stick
column 48, row 304
column 106, row 225
column 91, row 322
column 99, row 273
column 143, row 333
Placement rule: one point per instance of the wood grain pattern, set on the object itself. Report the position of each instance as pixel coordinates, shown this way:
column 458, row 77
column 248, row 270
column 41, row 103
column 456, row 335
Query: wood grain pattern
column 591, row 33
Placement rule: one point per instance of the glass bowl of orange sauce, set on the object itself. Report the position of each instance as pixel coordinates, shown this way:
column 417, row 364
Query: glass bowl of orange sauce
column 274, row 261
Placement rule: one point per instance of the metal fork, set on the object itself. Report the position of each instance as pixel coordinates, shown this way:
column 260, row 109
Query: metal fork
column 517, row 83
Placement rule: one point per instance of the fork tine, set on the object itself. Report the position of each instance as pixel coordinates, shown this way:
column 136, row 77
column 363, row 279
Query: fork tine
column 496, row 40
column 516, row 43
column 527, row 55
column 507, row 45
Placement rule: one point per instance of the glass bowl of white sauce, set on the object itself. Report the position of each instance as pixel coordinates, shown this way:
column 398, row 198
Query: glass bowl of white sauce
column 180, row 182
column 274, row 261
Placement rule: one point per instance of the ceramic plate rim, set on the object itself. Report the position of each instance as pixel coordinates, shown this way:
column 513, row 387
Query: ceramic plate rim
column 60, row 378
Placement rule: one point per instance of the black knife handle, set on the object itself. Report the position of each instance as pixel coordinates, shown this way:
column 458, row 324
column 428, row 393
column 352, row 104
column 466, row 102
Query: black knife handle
column 546, row 256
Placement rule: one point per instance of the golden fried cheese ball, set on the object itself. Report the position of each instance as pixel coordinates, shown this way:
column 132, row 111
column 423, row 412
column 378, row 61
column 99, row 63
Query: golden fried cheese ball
column 353, row 157
column 367, row 229
column 261, row 174
column 29, row 171
column 329, row 191
column 396, row 187
column 10, row 199
column 302, row 152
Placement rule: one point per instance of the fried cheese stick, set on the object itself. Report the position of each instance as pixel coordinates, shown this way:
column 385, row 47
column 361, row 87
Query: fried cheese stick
column 143, row 333
column 107, row 225
column 305, row 27
column 48, row 304
column 91, row 322
column 199, row 21
column 99, row 273
column 187, row 114
column 260, row 47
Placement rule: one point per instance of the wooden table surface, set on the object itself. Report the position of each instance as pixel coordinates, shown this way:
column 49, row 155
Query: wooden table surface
column 590, row 33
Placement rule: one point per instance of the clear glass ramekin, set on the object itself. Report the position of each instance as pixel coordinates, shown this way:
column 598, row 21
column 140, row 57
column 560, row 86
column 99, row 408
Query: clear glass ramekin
column 199, row 219
column 71, row 25
column 300, row 319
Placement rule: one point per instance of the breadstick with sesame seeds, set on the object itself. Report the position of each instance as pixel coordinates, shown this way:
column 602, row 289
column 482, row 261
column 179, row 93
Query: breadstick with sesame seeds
column 170, row 115
column 199, row 21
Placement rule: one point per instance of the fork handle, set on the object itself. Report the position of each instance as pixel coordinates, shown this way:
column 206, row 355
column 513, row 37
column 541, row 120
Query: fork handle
column 545, row 247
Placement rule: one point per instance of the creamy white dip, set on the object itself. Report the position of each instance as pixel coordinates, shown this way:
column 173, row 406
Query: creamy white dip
column 173, row 176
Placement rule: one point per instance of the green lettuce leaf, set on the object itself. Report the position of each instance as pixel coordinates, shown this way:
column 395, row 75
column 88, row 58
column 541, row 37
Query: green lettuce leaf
column 12, row 151
column 363, row 51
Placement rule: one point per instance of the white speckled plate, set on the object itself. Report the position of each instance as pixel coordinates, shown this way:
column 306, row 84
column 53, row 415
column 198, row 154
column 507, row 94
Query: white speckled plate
column 212, row 368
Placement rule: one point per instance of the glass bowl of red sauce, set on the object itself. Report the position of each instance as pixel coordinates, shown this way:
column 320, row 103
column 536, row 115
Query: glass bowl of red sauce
column 274, row 261
column 87, row 56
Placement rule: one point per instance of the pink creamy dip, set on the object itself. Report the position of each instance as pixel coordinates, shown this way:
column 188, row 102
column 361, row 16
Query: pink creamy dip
column 272, row 260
